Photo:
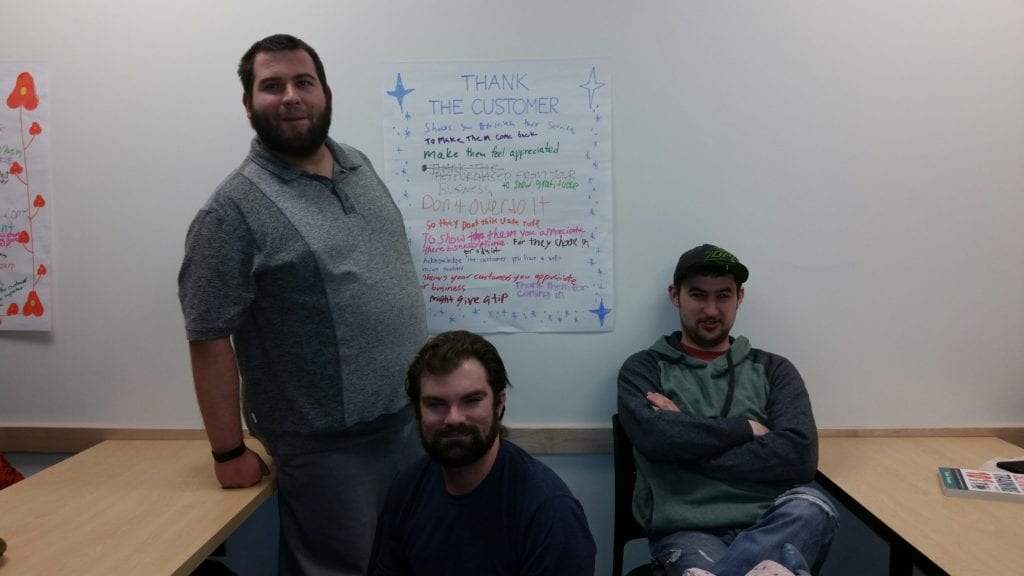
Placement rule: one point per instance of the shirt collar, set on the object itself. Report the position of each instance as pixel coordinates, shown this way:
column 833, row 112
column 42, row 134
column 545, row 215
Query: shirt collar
column 268, row 161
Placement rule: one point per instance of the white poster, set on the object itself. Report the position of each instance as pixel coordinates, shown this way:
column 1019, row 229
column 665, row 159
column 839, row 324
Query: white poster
column 502, row 170
column 24, row 198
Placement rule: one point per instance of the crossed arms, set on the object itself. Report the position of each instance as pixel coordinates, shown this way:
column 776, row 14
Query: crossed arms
column 784, row 448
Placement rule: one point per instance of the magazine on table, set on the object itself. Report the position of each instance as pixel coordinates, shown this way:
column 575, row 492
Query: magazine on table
column 969, row 483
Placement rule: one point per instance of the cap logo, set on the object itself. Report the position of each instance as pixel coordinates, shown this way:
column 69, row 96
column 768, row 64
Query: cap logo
column 719, row 256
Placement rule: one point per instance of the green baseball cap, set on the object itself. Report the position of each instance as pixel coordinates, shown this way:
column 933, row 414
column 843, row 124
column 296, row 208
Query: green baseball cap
column 708, row 257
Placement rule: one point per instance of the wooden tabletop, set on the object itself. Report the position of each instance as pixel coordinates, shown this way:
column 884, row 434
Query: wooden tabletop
column 897, row 481
column 122, row 507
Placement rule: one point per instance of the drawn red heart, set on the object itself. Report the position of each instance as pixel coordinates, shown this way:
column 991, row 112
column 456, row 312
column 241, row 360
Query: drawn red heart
column 12, row 309
column 16, row 168
column 41, row 270
column 35, row 129
column 23, row 237
column 39, row 202
column 24, row 93
column 33, row 307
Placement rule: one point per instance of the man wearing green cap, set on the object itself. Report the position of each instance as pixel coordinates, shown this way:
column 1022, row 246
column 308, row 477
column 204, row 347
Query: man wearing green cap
column 724, row 437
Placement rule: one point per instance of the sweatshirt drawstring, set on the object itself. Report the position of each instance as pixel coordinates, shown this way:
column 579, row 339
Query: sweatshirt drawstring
column 732, row 385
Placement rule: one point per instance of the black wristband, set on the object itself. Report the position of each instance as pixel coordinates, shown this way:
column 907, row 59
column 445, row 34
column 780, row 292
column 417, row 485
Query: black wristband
column 222, row 457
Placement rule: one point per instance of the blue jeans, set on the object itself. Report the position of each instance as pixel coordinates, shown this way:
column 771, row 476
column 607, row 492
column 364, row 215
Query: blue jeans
column 802, row 517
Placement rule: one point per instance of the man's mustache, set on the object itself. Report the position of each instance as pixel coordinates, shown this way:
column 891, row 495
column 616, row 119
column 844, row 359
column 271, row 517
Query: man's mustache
column 456, row 430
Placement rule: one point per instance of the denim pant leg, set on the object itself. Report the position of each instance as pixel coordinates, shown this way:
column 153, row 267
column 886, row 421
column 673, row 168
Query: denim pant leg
column 802, row 517
column 673, row 553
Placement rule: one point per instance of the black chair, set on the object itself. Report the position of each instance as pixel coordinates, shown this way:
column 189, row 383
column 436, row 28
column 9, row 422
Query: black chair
column 626, row 527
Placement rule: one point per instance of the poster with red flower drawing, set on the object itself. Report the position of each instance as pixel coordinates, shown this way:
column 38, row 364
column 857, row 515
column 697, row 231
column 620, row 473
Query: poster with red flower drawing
column 25, row 266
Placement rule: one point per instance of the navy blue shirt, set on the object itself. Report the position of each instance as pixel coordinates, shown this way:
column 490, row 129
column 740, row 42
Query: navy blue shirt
column 521, row 520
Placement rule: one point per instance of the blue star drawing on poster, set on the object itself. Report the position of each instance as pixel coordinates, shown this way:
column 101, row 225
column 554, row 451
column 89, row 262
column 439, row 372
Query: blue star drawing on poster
column 601, row 312
column 400, row 92
column 591, row 86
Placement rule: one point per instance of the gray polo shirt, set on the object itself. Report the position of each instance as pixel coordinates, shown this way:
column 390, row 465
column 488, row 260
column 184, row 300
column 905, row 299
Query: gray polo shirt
column 313, row 280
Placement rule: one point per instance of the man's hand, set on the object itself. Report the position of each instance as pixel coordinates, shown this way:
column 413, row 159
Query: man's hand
column 758, row 428
column 661, row 402
column 242, row 472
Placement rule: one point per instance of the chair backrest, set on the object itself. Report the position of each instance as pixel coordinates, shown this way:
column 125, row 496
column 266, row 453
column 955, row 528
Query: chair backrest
column 626, row 527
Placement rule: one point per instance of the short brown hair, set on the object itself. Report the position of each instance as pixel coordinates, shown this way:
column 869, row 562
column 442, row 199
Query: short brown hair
column 444, row 353
column 276, row 43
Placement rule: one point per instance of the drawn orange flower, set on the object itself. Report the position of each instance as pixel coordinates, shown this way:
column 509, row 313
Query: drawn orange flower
column 33, row 307
column 24, row 93
column 16, row 168
column 41, row 271
column 39, row 202
column 35, row 129
column 23, row 237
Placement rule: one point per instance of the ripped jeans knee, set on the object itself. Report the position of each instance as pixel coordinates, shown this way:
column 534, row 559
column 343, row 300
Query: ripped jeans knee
column 676, row 552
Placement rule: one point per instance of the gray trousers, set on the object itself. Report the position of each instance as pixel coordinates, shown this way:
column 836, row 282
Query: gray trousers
column 328, row 502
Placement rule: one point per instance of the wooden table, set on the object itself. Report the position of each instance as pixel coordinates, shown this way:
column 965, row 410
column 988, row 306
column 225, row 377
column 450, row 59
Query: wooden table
column 893, row 485
column 122, row 507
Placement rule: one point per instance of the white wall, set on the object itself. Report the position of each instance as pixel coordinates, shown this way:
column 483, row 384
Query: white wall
column 865, row 159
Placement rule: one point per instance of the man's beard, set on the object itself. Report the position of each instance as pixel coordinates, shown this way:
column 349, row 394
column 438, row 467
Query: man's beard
column 299, row 145
column 707, row 343
column 697, row 336
column 462, row 451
